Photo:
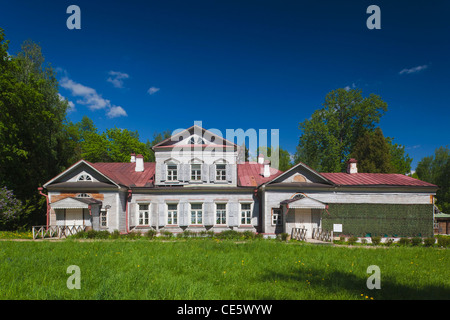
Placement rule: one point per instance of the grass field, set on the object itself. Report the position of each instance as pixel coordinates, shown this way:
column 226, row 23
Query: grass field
column 218, row 269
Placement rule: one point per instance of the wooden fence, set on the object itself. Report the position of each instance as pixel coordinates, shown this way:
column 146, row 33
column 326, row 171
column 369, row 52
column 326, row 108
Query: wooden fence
column 298, row 234
column 322, row 235
column 55, row 231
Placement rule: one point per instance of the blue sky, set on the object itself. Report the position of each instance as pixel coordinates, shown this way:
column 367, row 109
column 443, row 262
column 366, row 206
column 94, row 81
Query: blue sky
column 157, row 65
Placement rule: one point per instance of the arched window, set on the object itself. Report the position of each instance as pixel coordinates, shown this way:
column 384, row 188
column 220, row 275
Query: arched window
column 84, row 177
column 84, row 195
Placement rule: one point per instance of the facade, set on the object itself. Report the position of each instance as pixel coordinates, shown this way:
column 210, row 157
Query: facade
column 200, row 182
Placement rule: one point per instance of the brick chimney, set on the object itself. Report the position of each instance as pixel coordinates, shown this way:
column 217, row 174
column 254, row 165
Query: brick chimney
column 139, row 163
column 351, row 166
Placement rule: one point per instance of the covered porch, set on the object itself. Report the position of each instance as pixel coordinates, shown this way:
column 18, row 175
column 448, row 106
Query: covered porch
column 73, row 211
column 302, row 218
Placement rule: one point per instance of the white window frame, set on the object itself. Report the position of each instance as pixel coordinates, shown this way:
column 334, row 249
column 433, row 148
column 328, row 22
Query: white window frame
column 221, row 174
column 143, row 214
column 245, row 214
column 277, row 217
column 194, row 214
column 170, row 214
column 216, row 215
column 172, row 174
column 197, row 175
column 103, row 212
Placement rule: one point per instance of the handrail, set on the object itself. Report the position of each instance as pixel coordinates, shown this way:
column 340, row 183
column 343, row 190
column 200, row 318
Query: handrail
column 55, row 231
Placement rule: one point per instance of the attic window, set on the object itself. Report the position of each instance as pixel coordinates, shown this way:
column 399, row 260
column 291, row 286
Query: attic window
column 84, row 195
column 84, row 177
column 199, row 141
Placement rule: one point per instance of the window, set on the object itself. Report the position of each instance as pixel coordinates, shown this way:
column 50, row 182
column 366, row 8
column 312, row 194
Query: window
column 221, row 172
column 221, row 213
column 84, row 177
column 196, row 172
column 172, row 172
column 144, row 216
column 84, row 195
column 103, row 218
column 277, row 217
column 196, row 213
column 172, row 213
column 246, row 213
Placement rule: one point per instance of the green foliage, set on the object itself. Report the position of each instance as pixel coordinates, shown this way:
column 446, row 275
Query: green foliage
column 330, row 135
column 32, row 140
column 352, row 240
column 10, row 210
column 436, row 169
column 429, row 242
column 404, row 241
column 373, row 153
column 443, row 241
column 376, row 240
column 416, row 241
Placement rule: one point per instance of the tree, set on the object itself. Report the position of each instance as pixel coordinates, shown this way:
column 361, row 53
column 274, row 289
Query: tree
column 329, row 136
column 32, row 140
column 10, row 210
column 436, row 169
column 284, row 157
column 373, row 153
column 400, row 161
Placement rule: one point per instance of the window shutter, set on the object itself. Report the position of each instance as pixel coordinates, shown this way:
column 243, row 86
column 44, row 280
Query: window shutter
column 212, row 172
column 163, row 171
column 228, row 173
column 183, row 214
column 205, row 172
column 208, row 214
column 233, row 214
column 186, row 171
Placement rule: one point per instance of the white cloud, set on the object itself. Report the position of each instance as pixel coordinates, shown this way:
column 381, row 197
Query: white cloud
column 116, row 111
column 71, row 104
column 348, row 88
column 413, row 70
column 117, row 78
column 91, row 98
column 153, row 90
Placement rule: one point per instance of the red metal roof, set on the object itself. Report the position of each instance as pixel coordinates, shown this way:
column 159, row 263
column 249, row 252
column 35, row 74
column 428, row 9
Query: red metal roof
column 124, row 173
column 360, row 179
column 250, row 174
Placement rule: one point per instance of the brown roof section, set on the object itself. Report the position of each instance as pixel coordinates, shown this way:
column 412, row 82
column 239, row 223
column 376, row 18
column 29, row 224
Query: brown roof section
column 368, row 179
column 250, row 174
column 124, row 173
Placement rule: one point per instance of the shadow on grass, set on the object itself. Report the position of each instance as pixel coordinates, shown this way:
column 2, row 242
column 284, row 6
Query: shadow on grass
column 340, row 285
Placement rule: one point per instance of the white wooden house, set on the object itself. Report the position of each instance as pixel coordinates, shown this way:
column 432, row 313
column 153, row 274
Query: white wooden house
column 200, row 182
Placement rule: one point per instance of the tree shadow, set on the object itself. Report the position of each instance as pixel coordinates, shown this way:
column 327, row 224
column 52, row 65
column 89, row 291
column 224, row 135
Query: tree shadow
column 340, row 284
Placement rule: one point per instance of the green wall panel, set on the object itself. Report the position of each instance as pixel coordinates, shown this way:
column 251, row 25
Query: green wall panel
column 362, row 219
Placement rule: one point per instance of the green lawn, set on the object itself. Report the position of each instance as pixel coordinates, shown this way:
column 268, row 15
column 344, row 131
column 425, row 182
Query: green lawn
column 215, row 269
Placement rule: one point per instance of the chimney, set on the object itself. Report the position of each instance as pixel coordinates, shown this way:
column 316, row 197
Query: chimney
column 266, row 173
column 139, row 163
column 261, row 158
column 133, row 157
column 351, row 166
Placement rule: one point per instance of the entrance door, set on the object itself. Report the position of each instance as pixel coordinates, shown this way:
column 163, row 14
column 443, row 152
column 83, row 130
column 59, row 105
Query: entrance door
column 74, row 217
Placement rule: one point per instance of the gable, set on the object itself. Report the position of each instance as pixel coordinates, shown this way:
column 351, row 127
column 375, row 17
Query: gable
column 81, row 173
column 302, row 174
column 195, row 136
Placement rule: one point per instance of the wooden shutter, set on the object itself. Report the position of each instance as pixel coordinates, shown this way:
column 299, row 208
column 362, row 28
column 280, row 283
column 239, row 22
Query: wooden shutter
column 205, row 172
column 229, row 173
